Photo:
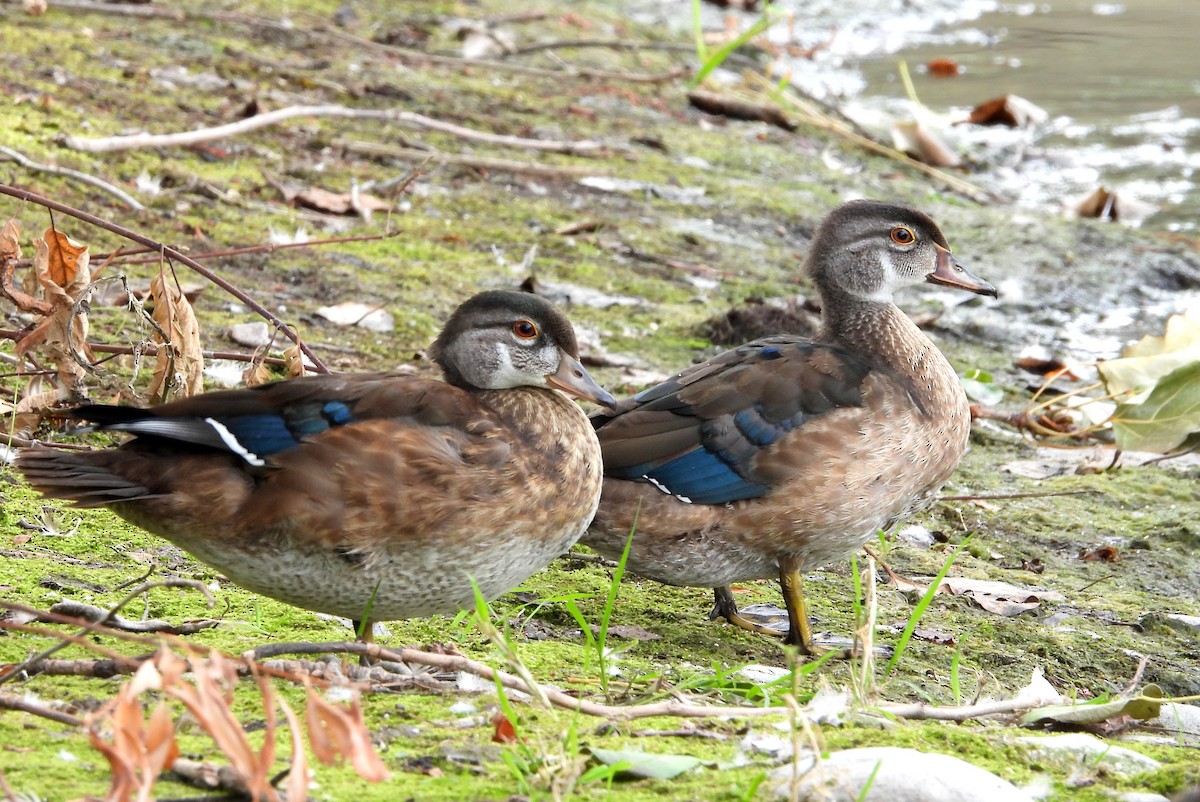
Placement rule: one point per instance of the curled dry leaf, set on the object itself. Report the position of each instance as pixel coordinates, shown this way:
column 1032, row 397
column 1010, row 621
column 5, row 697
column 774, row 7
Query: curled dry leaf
column 338, row 733
column 61, row 266
column 998, row 597
column 179, row 364
column 1105, row 204
column 1012, row 111
column 322, row 200
column 140, row 749
column 943, row 68
column 294, row 358
column 920, row 142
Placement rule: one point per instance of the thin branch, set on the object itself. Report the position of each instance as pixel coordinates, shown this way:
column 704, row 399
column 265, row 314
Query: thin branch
column 919, row 711
column 607, row 44
column 90, row 612
column 171, row 253
column 479, row 162
column 21, row 299
column 89, row 626
column 492, row 66
column 991, row 496
column 26, row 705
column 186, row 138
column 125, row 350
column 67, row 172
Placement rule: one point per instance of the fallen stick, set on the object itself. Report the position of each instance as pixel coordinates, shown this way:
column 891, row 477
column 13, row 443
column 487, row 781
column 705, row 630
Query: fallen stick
column 66, row 172
column 186, row 138
column 479, row 162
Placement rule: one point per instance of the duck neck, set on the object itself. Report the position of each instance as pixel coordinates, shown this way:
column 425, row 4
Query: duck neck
column 880, row 333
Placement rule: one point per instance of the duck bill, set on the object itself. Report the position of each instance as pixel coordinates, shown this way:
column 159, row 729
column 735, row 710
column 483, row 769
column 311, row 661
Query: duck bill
column 949, row 273
column 572, row 379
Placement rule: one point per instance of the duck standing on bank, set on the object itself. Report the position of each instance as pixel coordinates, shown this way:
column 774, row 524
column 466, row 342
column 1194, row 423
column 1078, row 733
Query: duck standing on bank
column 373, row 497
column 787, row 454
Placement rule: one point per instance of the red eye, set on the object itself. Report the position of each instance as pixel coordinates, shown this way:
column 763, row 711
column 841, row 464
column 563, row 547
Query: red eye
column 525, row 329
column 903, row 235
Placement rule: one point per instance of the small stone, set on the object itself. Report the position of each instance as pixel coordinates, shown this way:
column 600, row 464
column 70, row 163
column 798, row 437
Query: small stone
column 894, row 774
column 251, row 335
column 1079, row 748
column 1180, row 723
column 354, row 313
column 917, row 535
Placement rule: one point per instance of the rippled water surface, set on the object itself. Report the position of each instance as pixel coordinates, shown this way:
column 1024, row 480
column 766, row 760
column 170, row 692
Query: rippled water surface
column 1121, row 83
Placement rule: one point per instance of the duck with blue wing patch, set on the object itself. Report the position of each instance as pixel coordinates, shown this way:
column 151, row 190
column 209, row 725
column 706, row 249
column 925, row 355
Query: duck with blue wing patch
column 786, row 454
column 387, row 493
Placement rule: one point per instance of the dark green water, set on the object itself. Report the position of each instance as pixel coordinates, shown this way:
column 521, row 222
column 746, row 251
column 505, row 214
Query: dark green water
column 1121, row 83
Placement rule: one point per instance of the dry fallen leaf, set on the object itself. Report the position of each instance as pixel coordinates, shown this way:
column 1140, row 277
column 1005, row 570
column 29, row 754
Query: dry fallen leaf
column 339, row 202
column 1012, row 111
column 920, row 142
column 1104, row 204
column 1000, row 598
column 61, row 267
column 179, row 364
column 338, row 733
column 943, row 67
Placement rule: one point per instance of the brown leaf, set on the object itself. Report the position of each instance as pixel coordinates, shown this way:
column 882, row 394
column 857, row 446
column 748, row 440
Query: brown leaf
column 1046, row 366
column 10, row 240
column 342, row 734
column 1104, row 204
column 943, row 67
column 339, row 202
column 1106, row 554
column 179, row 364
column 503, row 730
column 1012, row 111
column 297, row 785
column 294, row 358
column 65, row 258
column 1000, row 598
column 61, row 267
column 920, row 142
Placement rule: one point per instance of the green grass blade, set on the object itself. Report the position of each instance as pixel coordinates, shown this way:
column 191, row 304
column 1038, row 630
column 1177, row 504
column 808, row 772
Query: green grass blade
column 922, row 606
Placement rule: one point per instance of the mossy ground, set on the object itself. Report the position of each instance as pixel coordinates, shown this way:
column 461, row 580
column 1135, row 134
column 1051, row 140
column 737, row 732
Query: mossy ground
column 467, row 229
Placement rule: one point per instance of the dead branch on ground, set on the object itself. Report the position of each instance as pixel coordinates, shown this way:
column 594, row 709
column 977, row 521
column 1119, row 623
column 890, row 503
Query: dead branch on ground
column 409, row 118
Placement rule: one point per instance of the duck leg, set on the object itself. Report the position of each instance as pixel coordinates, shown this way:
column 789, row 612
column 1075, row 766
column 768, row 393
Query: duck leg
column 725, row 607
column 799, row 629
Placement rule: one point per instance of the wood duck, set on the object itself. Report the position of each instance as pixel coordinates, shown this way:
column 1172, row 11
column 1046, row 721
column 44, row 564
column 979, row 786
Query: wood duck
column 786, row 454
column 373, row 497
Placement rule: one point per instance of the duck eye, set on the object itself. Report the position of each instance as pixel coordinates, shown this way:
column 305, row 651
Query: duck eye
column 525, row 329
column 903, row 235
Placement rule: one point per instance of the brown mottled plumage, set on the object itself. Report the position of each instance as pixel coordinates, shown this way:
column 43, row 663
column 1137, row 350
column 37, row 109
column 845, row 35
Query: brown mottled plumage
column 369, row 496
column 787, row 454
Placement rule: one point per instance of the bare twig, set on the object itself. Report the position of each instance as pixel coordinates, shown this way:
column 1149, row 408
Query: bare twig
column 739, row 108
column 22, row 300
column 991, row 496
column 27, row 705
column 265, row 247
column 66, row 172
column 185, row 138
column 90, row 612
column 466, row 160
column 210, row 776
column 125, row 350
column 90, row 626
column 170, row 253
column 491, row 66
